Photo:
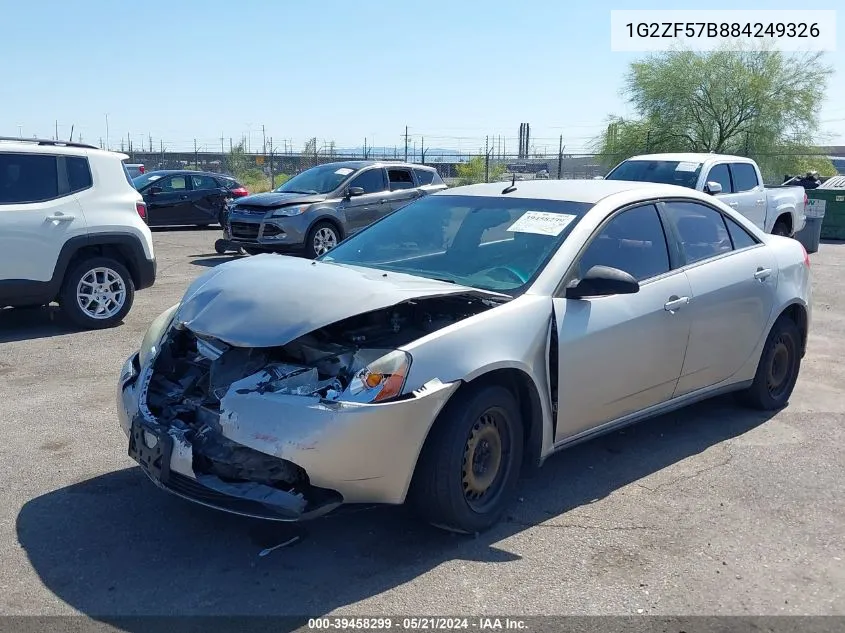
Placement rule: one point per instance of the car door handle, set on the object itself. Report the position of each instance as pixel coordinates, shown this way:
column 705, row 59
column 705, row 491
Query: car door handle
column 675, row 303
column 183, row 197
column 762, row 274
column 734, row 204
column 761, row 201
column 382, row 201
column 58, row 216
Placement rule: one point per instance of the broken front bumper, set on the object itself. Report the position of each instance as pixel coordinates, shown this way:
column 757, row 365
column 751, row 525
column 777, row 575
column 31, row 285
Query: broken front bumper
column 351, row 453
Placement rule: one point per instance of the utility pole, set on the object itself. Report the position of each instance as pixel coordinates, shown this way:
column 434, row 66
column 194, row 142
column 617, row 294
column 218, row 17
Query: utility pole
column 196, row 155
column 151, row 143
column 487, row 159
column 107, row 131
column 560, row 158
column 422, row 149
column 406, row 143
column 71, row 133
column 272, row 174
column 129, row 144
column 222, row 147
column 230, row 145
column 57, row 129
column 365, row 148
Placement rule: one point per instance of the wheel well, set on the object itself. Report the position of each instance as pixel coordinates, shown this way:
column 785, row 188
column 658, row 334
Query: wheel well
column 520, row 384
column 331, row 221
column 115, row 251
column 785, row 218
column 798, row 314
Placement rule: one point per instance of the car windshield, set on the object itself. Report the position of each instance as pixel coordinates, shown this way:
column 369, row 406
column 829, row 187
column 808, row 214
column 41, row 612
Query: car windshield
column 144, row 179
column 667, row 172
column 491, row 243
column 320, row 179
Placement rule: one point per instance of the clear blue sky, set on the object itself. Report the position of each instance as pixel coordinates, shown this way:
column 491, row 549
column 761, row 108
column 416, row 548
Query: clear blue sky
column 452, row 71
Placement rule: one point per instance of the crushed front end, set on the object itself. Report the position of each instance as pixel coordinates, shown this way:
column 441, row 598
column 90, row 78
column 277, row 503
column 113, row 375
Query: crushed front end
column 287, row 432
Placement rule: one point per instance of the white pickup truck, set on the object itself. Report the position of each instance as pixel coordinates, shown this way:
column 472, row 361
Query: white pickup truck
column 735, row 180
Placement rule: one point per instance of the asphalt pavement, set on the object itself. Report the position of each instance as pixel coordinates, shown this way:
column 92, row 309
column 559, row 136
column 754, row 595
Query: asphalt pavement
column 710, row 510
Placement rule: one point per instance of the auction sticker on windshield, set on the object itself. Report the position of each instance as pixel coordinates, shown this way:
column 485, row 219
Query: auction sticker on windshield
column 686, row 167
column 541, row 222
column 344, row 171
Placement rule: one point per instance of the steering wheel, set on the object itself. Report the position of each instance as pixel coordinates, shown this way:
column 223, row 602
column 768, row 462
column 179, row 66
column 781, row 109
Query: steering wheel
column 513, row 272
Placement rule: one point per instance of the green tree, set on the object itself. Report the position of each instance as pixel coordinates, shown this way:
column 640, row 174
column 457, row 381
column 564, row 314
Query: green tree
column 472, row 171
column 755, row 102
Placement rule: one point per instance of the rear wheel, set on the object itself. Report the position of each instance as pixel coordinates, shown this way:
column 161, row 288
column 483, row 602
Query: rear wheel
column 781, row 228
column 469, row 468
column 97, row 293
column 221, row 246
column 777, row 371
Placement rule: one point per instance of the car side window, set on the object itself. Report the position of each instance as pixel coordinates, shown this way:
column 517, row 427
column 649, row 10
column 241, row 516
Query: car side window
column 174, row 183
column 744, row 177
column 204, row 182
column 720, row 174
column 371, row 181
column 400, row 179
column 739, row 236
column 27, row 178
column 424, row 176
column 78, row 173
column 701, row 230
column 633, row 241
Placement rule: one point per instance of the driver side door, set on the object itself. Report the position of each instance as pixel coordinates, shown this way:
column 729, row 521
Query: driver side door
column 621, row 354
column 363, row 210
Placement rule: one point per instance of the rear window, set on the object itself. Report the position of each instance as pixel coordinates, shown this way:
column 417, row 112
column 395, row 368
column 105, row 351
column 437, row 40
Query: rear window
column 28, row 178
column 424, row 176
column 667, row 172
column 78, row 173
column 400, row 179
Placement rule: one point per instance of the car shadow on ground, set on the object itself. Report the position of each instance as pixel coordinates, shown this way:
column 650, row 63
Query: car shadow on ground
column 115, row 545
column 180, row 229
column 25, row 324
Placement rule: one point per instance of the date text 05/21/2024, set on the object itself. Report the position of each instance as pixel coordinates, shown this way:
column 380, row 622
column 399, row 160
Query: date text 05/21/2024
column 416, row 624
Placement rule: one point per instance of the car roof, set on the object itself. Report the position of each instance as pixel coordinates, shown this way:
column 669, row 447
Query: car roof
column 688, row 157
column 42, row 146
column 588, row 191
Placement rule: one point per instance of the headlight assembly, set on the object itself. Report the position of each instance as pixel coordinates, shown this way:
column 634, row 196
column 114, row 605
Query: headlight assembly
column 380, row 380
column 149, row 346
column 286, row 212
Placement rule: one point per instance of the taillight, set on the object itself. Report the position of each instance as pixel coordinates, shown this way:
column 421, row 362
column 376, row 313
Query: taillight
column 240, row 192
column 806, row 200
column 806, row 256
column 141, row 208
column 141, row 169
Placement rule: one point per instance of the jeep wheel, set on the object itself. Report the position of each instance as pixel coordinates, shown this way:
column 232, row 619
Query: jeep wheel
column 97, row 293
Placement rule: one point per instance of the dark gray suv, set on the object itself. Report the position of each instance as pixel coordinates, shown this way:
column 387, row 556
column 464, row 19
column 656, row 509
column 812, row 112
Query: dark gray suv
column 319, row 207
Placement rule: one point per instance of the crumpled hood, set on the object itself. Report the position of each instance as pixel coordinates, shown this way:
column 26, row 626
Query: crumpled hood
column 273, row 199
column 270, row 300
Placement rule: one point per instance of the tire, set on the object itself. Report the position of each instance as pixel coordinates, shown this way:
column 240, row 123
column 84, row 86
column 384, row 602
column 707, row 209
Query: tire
column 322, row 237
column 781, row 228
column 443, row 491
column 117, row 304
column 777, row 371
column 220, row 247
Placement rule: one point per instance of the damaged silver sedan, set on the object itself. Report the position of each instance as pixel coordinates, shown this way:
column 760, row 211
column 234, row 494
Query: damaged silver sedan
column 437, row 354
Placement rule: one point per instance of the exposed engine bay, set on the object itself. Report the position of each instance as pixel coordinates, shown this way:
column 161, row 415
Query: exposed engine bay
column 192, row 374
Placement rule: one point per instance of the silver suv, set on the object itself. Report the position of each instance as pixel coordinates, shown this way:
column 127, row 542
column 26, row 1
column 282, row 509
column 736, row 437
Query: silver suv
column 319, row 207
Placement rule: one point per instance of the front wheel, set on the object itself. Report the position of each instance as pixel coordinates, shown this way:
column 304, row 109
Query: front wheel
column 97, row 293
column 469, row 467
column 781, row 229
column 777, row 371
column 322, row 237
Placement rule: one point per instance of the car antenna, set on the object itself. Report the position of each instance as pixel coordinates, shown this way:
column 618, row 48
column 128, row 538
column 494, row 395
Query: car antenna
column 512, row 186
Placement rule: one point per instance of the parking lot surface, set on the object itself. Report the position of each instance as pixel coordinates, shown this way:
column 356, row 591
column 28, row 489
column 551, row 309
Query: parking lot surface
column 710, row 510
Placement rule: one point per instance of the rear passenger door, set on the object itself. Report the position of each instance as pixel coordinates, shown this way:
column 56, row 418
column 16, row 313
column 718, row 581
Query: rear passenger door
column 428, row 180
column 38, row 214
column 403, row 187
column 749, row 193
column 168, row 201
column 732, row 277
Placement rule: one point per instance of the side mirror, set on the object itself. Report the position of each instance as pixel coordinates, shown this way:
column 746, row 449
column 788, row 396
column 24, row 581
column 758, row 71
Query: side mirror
column 713, row 188
column 354, row 191
column 602, row 281
column 154, row 190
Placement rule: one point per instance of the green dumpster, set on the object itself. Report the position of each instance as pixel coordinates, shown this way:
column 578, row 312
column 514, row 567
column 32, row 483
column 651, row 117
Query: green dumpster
column 828, row 203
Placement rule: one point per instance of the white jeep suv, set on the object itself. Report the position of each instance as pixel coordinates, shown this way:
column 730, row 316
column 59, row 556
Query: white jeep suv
column 72, row 229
